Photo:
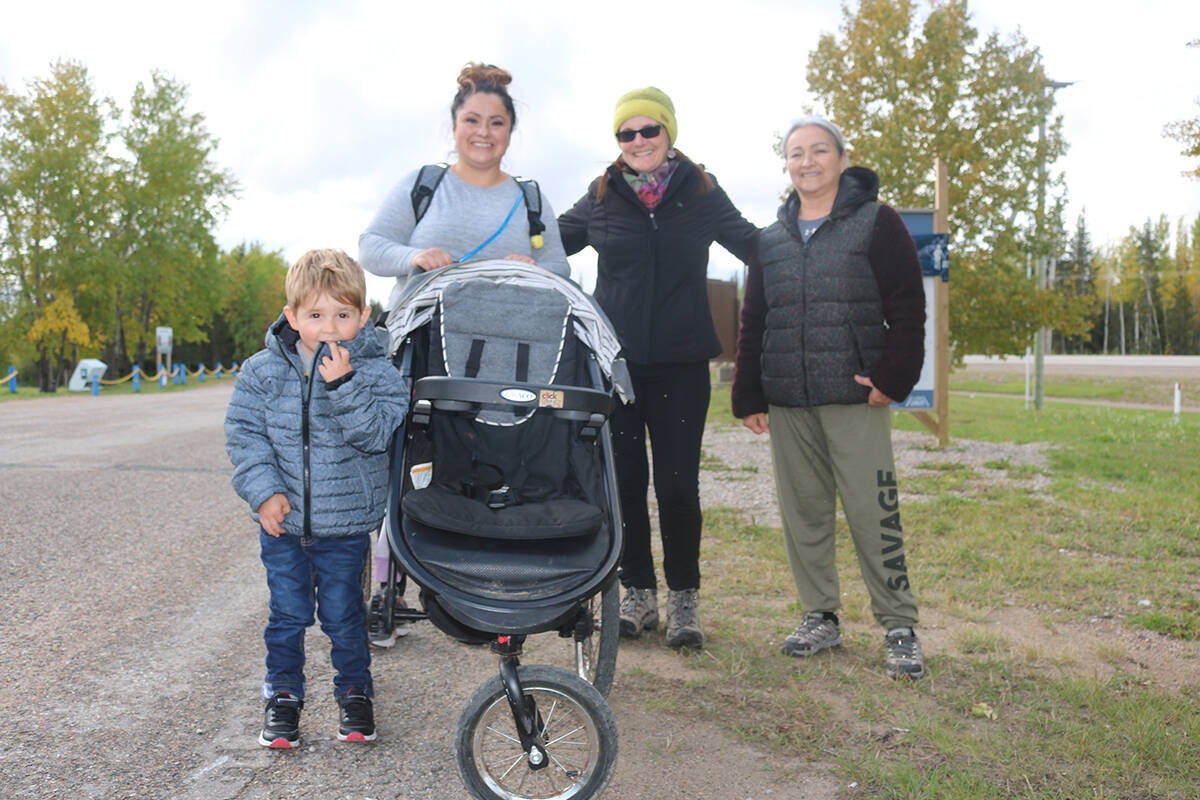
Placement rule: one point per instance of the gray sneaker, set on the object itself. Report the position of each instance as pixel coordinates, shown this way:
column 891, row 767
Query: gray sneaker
column 683, row 619
column 816, row 633
column 904, row 659
column 639, row 611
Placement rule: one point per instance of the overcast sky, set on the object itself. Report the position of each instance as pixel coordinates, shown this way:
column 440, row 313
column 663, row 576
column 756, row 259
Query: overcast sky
column 321, row 107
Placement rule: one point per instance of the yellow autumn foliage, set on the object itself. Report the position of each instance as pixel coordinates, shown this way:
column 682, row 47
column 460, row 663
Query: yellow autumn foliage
column 60, row 321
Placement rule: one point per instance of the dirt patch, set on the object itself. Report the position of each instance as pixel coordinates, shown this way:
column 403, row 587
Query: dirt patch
column 736, row 470
column 1100, row 647
column 991, row 465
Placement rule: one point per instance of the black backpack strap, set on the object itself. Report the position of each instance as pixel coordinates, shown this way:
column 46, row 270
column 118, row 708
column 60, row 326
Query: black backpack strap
column 426, row 184
column 533, row 204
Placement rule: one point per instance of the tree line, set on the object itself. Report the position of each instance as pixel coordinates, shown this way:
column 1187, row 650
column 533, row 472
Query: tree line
column 107, row 220
column 1143, row 291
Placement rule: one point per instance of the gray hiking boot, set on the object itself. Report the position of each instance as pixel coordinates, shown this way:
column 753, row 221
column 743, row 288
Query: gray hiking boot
column 683, row 619
column 816, row 633
column 639, row 611
column 904, row 658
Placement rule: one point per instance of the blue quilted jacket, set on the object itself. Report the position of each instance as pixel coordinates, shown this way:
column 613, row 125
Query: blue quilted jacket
column 325, row 449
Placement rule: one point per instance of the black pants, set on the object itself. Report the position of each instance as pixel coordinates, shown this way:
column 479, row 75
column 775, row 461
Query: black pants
column 672, row 402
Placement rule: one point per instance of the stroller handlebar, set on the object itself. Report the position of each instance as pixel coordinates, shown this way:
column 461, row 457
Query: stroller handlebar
column 467, row 394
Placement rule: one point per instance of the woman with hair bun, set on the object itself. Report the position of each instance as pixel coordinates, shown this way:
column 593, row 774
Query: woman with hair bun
column 474, row 210
column 651, row 218
column 471, row 210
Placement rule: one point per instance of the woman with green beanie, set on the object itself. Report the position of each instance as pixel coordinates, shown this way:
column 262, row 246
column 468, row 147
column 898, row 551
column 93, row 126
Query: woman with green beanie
column 651, row 218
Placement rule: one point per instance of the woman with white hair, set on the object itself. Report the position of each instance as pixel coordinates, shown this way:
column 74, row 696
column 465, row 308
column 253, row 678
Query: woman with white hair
column 832, row 333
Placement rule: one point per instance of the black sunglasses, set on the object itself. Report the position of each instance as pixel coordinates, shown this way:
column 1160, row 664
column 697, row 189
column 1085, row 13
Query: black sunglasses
column 648, row 132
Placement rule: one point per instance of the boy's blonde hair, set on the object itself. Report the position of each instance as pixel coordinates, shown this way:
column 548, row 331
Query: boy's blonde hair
column 327, row 271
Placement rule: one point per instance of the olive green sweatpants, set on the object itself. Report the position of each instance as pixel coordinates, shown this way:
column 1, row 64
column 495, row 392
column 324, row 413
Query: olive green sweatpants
column 824, row 452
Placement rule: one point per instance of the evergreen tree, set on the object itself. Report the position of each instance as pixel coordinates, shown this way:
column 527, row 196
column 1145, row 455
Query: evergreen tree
column 1181, row 320
column 1074, row 276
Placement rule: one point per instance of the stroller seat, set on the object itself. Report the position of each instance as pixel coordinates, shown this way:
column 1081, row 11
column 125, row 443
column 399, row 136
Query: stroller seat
column 503, row 507
column 504, row 568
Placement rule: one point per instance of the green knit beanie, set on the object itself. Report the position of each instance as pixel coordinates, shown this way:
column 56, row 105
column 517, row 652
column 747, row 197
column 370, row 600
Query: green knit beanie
column 648, row 102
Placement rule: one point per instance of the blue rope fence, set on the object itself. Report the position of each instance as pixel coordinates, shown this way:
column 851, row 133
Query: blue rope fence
column 178, row 374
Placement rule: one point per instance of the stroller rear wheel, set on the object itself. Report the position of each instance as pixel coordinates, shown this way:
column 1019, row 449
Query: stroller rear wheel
column 575, row 726
column 596, row 655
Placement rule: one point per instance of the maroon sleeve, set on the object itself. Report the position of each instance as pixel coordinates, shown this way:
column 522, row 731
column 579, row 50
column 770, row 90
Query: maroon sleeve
column 893, row 257
column 747, row 395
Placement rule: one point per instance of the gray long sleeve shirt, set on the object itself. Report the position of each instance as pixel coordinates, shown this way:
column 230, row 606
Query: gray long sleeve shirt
column 460, row 217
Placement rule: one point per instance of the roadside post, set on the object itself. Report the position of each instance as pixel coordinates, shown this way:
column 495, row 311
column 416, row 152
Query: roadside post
column 164, row 343
column 930, row 398
column 137, row 378
column 12, row 379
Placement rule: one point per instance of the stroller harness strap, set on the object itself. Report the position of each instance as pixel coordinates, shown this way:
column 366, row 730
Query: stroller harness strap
column 471, row 370
column 486, row 483
column 522, row 361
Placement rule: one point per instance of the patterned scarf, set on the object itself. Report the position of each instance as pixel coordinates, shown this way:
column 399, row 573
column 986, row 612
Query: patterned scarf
column 650, row 186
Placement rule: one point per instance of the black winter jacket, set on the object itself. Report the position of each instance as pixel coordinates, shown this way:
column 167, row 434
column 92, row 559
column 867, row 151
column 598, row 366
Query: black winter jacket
column 653, row 264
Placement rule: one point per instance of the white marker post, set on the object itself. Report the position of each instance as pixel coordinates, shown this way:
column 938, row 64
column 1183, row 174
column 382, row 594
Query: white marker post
column 1027, row 378
column 1178, row 400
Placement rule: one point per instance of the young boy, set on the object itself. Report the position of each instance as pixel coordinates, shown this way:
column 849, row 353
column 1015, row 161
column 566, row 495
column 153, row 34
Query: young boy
column 307, row 430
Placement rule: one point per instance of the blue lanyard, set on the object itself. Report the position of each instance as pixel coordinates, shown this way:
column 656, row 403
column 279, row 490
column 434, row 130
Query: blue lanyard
column 503, row 225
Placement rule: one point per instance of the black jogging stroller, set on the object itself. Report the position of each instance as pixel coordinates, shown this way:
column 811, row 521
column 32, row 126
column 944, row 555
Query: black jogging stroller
column 504, row 512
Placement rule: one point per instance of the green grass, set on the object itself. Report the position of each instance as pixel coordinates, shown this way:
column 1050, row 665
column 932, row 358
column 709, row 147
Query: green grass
column 1114, row 532
column 1153, row 390
column 1085, row 388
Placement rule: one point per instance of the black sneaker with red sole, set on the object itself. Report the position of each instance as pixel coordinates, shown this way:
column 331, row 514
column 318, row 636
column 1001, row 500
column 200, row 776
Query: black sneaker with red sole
column 281, row 722
column 357, row 718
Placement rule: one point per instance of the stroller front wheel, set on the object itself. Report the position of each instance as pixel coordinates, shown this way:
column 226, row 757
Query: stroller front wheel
column 575, row 725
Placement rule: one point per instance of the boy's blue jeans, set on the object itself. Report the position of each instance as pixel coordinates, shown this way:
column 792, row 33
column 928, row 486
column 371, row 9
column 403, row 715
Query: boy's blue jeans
column 323, row 576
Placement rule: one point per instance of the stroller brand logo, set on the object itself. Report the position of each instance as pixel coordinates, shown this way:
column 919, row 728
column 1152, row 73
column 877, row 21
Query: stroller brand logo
column 518, row 395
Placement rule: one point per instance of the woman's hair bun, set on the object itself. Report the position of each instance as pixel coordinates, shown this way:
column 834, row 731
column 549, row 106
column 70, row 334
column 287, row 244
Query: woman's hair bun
column 473, row 75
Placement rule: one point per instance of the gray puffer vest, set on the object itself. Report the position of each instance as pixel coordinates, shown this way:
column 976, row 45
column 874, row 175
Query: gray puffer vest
column 824, row 321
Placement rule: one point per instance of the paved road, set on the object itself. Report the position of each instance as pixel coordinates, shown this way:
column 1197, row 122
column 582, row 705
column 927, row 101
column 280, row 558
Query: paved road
column 131, row 609
column 1171, row 367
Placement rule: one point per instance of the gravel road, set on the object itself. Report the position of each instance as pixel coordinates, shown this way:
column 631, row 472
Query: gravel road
column 131, row 609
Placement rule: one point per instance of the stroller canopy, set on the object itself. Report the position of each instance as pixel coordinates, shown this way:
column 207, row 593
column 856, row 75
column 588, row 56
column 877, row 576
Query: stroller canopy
column 424, row 294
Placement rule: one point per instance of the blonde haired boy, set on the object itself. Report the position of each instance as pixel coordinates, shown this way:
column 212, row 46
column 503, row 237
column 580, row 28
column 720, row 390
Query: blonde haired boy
column 307, row 430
